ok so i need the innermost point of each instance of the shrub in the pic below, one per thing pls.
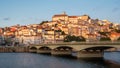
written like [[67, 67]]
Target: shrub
[[70, 38], [105, 39]]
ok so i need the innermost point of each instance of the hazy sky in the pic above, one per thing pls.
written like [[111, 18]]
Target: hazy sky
[[25, 12]]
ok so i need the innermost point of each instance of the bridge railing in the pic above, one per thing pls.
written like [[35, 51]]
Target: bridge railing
[[83, 43]]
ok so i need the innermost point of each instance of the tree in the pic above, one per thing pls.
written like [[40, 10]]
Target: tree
[[118, 39], [70, 38], [105, 39], [104, 33], [118, 31], [43, 22], [63, 33], [58, 30], [8, 41], [67, 38], [81, 38]]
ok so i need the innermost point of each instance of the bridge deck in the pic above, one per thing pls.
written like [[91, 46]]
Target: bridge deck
[[83, 43]]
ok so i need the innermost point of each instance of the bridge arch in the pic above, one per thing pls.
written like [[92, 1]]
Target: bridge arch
[[101, 48], [63, 48], [92, 51], [33, 49], [44, 48]]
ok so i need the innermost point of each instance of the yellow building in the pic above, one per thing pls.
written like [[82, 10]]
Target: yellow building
[[64, 18], [60, 17]]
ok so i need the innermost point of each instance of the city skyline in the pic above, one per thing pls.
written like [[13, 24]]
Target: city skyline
[[26, 12]]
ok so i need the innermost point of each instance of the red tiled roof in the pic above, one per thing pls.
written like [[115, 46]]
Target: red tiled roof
[[60, 15], [39, 27], [64, 27], [116, 34], [73, 16]]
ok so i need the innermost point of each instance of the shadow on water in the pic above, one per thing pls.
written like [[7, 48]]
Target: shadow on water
[[100, 61], [65, 56], [105, 63], [112, 64], [43, 54]]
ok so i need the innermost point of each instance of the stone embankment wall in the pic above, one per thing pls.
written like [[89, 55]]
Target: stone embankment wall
[[13, 49]]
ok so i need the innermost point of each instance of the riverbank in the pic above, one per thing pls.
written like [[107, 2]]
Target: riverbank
[[17, 49]]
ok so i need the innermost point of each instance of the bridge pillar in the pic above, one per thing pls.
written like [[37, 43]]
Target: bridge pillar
[[44, 51], [54, 52], [32, 51], [90, 54]]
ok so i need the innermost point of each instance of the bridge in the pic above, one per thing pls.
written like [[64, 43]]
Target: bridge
[[83, 49]]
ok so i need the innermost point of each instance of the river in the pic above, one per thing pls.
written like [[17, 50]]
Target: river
[[33, 60]]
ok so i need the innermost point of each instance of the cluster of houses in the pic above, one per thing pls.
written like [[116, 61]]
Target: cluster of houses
[[56, 30]]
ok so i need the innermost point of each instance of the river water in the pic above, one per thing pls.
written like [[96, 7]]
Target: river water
[[33, 60]]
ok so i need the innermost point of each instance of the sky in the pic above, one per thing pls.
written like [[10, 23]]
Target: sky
[[26, 12]]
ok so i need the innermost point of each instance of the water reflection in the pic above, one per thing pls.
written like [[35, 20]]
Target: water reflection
[[32, 60]]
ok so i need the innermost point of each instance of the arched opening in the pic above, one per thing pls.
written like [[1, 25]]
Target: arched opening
[[63, 48], [93, 52], [98, 48], [33, 50], [44, 50], [62, 51]]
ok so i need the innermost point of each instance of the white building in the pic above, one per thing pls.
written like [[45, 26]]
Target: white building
[[28, 40]]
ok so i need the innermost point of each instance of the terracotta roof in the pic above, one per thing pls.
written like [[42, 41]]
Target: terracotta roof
[[39, 27], [73, 16], [91, 34], [116, 34], [60, 15], [13, 29], [64, 27]]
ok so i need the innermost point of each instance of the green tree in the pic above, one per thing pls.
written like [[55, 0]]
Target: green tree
[[105, 39], [43, 22], [118, 39], [104, 33], [67, 38], [118, 31], [8, 40], [63, 33], [70, 38], [81, 38]]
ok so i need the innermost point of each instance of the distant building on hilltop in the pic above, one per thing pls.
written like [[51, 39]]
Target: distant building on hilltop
[[74, 19]]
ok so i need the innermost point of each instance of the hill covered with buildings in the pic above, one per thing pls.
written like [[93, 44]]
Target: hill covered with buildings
[[62, 28]]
